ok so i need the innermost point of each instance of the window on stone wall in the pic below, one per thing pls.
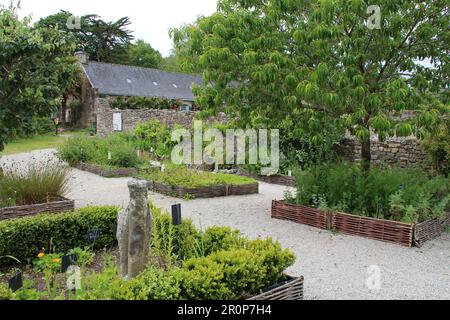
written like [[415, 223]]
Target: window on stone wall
[[185, 107]]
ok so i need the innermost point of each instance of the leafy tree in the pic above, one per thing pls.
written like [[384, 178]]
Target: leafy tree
[[305, 65], [35, 70], [104, 41], [170, 64], [141, 54]]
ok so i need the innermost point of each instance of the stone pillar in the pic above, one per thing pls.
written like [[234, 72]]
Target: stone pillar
[[134, 229]]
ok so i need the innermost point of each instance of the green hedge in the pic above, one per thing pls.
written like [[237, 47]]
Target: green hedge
[[24, 238]]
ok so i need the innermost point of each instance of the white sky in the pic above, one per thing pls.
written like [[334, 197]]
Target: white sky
[[151, 19]]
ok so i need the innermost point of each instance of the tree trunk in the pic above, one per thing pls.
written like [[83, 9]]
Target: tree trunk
[[366, 156]]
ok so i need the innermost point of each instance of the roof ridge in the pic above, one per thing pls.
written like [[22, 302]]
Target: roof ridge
[[145, 68]]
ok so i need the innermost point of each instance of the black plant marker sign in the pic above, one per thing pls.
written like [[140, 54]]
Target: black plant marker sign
[[67, 261], [93, 235], [176, 214], [16, 282]]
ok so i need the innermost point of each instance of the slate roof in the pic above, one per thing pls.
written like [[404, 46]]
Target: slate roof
[[121, 80]]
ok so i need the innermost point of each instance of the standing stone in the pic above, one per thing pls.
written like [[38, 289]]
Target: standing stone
[[134, 229]]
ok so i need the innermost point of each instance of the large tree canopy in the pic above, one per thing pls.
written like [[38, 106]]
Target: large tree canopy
[[302, 65], [142, 54], [36, 68], [104, 41]]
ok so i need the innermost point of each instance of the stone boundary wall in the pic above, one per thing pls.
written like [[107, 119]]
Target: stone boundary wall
[[130, 118], [395, 151]]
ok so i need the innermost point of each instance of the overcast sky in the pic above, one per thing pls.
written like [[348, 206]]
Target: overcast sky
[[151, 19]]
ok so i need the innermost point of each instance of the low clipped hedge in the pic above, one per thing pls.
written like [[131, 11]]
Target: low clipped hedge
[[24, 238]]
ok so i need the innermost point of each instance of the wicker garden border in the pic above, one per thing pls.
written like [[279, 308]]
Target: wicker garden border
[[276, 179], [406, 234], [58, 206], [204, 192], [292, 289], [106, 172]]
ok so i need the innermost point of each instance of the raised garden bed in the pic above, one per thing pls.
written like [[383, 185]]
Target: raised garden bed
[[300, 214], [406, 234], [204, 192], [275, 179], [57, 206], [106, 172], [292, 289]]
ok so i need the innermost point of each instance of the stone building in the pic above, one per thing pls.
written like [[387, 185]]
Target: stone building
[[100, 80]]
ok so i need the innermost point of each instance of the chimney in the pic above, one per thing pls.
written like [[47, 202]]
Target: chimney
[[82, 56]]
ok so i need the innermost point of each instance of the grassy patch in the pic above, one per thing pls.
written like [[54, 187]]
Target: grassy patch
[[115, 151], [183, 177], [49, 141], [32, 186]]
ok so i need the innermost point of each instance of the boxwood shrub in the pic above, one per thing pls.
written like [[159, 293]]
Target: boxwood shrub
[[24, 238]]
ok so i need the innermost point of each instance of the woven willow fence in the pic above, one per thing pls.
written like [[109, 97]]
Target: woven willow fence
[[405, 234], [204, 192], [106, 172], [289, 290], [57, 206]]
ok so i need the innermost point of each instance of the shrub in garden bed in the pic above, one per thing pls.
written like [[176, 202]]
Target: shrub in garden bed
[[404, 195], [175, 175], [25, 238], [116, 151], [186, 263], [21, 186]]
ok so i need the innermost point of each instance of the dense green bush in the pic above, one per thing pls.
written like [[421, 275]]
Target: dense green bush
[[24, 238], [117, 150], [407, 195], [156, 136], [36, 126], [33, 185], [124, 103]]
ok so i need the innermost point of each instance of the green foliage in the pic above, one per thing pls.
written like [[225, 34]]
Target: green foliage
[[105, 285], [235, 273], [171, 242], [438, 147], [156, 136], [36, 66], [157, 284], [175, 175], [5, 292], [33, 185], [141, 54], [231, 267], [308, 67], [24, 238], [37, 126], [117, 150], [133, 103], [103, 41], [407, 195]]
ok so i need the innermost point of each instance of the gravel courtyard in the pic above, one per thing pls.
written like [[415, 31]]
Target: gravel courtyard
[[335, 266]]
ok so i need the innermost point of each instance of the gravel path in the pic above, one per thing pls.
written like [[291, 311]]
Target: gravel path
[[335, 266]]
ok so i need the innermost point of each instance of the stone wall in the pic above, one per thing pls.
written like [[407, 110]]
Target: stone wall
[[395, 151], [130, 118]]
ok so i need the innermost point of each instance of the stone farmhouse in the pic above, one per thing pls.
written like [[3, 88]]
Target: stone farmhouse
[[106, 80]]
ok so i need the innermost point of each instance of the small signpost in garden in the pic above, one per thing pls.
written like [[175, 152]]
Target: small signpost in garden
[[67, 261], [16, 282], [176, 214], [93, 235]]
